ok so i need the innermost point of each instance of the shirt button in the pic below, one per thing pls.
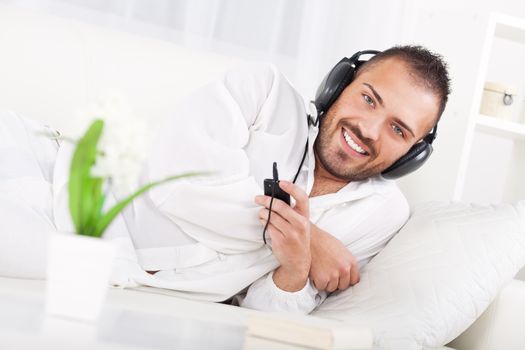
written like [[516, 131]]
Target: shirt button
[[345, 204], [222, 257]]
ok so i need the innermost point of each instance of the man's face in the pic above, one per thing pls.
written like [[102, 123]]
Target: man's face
[[375, 121]]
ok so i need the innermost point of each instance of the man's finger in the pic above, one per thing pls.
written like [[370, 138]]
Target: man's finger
[[271, 230], [300, 196], [320, 284], [354, 274], [283, 209], [276, 220], [344, 280], [332, 285]]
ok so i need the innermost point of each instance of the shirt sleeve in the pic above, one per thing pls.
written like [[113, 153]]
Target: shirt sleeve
[[264, 295], [380, 225], [227, 129]]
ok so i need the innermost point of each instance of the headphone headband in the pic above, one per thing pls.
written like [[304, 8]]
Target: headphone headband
[[358, 54], [337, 80]]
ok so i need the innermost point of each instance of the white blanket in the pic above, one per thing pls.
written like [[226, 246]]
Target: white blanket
[[26, 173]]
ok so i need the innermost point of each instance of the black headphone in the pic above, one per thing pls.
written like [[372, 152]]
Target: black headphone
[[333, 85]]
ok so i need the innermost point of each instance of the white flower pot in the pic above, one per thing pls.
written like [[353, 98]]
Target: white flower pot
[[78, 272]]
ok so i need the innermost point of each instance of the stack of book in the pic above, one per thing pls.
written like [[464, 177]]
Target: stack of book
[[290, 332]]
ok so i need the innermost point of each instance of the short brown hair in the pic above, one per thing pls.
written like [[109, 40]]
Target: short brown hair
[[429, 68]]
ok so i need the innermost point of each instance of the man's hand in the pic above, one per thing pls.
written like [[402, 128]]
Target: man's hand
[[333, 266], [289, 230]]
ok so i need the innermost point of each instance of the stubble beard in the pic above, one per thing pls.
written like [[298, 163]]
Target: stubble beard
[[338, 163]]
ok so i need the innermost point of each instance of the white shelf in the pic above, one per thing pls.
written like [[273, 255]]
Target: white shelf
[[501, 128], [502, 180], [510, 28]]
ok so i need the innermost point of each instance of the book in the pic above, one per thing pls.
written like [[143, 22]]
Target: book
[[309, 332], [256, 343]]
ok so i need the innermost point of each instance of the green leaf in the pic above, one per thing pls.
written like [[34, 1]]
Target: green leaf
[[84, 190], [104, 222], [96, 201]]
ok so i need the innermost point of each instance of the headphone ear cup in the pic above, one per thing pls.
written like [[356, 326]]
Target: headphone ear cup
[[411, 161], [333, 85]]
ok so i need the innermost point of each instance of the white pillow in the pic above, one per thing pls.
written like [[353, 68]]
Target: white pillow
[[436, 276]]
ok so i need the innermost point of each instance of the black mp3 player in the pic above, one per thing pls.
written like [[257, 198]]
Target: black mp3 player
[[272, 185]]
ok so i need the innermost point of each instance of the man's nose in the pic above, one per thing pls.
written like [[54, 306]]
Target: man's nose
[[371, 126]]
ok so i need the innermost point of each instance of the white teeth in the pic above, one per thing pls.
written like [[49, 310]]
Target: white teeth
[[352, 143]]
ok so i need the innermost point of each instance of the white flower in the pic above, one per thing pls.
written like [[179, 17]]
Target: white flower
[[124, 142]]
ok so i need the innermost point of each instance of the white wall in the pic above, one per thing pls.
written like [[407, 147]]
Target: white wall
[[305, 38]]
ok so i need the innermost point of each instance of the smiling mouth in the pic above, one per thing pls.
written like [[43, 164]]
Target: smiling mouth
[[353, 144]]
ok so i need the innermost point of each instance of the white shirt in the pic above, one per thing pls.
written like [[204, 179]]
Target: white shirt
[[203, 233]]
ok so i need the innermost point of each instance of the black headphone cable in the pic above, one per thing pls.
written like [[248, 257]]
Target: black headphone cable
[[276, 179]]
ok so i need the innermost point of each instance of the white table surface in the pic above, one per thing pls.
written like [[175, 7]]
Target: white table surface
[[129, 320]]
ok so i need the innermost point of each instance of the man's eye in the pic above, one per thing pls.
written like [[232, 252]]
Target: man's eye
[[368, 100], [398, 130]]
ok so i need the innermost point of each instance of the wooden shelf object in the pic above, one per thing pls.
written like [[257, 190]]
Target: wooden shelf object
[[501, 128]]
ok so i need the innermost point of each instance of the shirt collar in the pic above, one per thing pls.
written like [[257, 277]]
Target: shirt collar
[[353, 191]]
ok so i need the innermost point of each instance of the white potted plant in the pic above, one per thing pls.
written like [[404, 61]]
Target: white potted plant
[[80, 265]]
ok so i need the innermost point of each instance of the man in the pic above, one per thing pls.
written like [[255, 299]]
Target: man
[[394, 101], [202, 237], [378, 118]]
